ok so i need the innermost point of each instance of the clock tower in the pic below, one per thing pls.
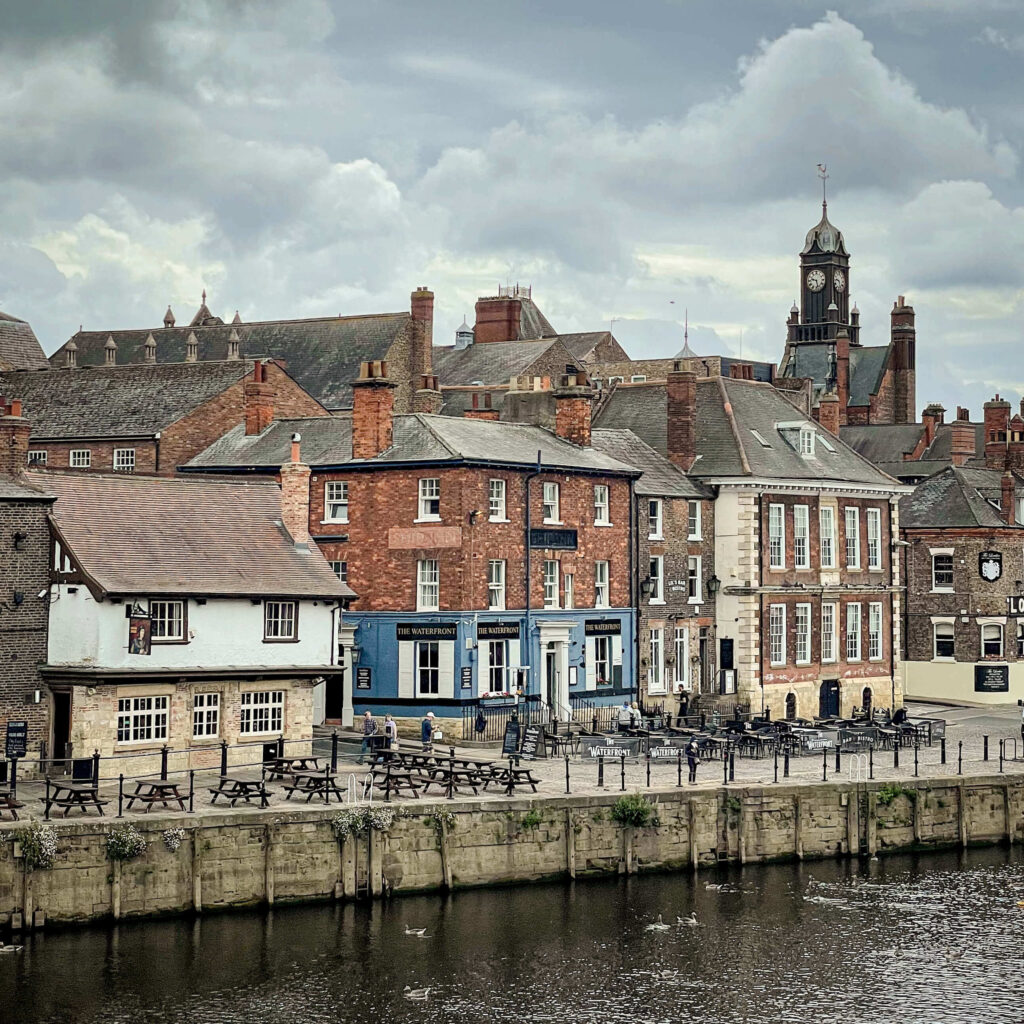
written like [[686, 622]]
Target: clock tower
[[824, 285]]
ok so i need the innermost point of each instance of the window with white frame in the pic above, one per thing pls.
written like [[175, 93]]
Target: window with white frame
[[550, 583], [37, 457], [603, 660], [280, 620], [167, 621], [336, 501], [428, 585], [827, 536], [124, 460], [853, 632], [601, 597], [550, 503], [430, 499], [992, 640], [496, 501], [654, 519], [806, 440], [874, 525], [81, 458], [776, 537], [682, 658], [496, 584], [802, 633], [205, 715], [693, 520], [637, 378], [656, 667], [142, 719], [875, 631], [942, 571], [944, 640], [852, 520], [569, 583], [828, 632], [1020, 638], [657, 576], [777, 634], [801, 537], [601, 510], [428, 667], [497, 665], [693, 579], [262, 712], [340, 570]]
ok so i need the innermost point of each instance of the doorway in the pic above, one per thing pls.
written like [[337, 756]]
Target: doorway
[[61, 729], [865, 701], [551, 678], [828, 699], [334, 697], [790, 707]]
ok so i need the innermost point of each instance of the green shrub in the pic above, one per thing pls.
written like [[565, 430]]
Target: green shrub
[[38, 845], [891, 790], [634, 810], [531, 820]]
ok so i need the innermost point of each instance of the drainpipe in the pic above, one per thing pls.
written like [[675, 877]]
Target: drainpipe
[[634, 568], [529, 477]]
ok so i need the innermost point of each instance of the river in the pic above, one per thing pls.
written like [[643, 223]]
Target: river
[[914, 940]]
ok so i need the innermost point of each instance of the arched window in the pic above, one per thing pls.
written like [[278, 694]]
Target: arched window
[[992, 640], [790, 707]]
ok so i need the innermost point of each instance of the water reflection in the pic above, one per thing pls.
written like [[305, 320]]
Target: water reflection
[[900, 939]]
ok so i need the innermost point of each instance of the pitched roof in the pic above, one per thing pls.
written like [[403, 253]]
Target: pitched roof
[[492, 362], [582, 345], [957, 497], [659, 477], [882, 442], [322, 354], [139, 535], [532, 322], [867, 368], [19, 346], [21, 488], [118, 401]]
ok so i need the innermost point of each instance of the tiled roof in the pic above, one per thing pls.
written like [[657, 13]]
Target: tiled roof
[[322, 354], [19, 347], [151, 535], [867, 367], [660, 478], [956, 497], [491, 362], [882, 442], [582, 345], [532, 322], [117, 401], [22, 488]]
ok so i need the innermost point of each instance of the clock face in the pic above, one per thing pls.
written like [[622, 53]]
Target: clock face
[[815, 280], [839, 280]]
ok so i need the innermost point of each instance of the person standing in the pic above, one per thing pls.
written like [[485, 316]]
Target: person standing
[[625, 717], [427, 732], [369, 731], [1022, 723], [684, 705], [390, 732], [693, 757]]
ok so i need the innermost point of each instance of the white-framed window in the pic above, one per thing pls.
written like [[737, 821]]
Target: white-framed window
[[992, 640], [777, 634], [569, 583], [603, 660], [142, 719], [601, 509], [681, 665], [429, 499], [340, 570], [806, 440], [656, 667], [205, 715], [428, 585], [601, 588], [81, 458], [280, 620], [693, 579], [827, 536], [657, 575], [124, 460], [638, 378], [852, 520], [496, 584], [428, 667], [943, 639], [37, 457], [801, 537], [776, 537], [875, 631], [874, 525], [497, 665], [655, 519], [828, 632], [496, 501], [853, 632], [550, 509], [693, 520], [1020, 638], [942, 571], [262, 712], [167, 620], [802, 631], [336, 501], [550, 583]]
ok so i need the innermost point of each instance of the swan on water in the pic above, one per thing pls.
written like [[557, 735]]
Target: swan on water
[[688, 922], [419, 932], [420, 994], [658, 926]]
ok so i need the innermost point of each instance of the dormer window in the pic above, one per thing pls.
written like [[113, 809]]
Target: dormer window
[[806, 440]]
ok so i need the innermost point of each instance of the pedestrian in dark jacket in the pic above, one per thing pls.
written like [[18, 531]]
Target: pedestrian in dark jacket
[[369, 731], [427, 732], [693, 758]]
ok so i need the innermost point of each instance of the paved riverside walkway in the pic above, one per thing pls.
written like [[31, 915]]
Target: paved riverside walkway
[[965, 725]]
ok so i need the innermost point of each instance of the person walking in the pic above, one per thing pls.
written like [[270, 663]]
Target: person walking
[[684, 706], [427, 732], [391, 732], [625, 717], [693, 757], [369, 731]]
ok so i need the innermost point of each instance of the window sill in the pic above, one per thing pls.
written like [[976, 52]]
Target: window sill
[[776, 664], [656, 600], [428, 610], [694, 601], [801, 664], [491, 519], [652, 536], [428, 519], [776, 568], [854, 568], [694, 538], [334, 522], [552, 522], [944, 661], [165, 642], [828, 661], [853, 661], [876, 661], [941, 590], [280, 639], [604, 524]]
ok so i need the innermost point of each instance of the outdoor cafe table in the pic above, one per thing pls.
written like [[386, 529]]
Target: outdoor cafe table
[[73, 794], [156, 791], [234, 789], [563, 743], [282, 766], [395, 780], [314, 784]]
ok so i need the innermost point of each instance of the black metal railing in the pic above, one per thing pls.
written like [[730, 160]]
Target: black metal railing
[[487, 723]]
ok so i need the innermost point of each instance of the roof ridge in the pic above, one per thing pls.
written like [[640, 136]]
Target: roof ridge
[[437, 437], [244, 324], [731, 417]]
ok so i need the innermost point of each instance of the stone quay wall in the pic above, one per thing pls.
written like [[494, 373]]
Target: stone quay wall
[[245, 859]]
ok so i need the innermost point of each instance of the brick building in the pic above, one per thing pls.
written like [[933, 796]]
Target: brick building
[[486, 555]]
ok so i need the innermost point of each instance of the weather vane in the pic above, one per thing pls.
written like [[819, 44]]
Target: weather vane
[[823, 174]]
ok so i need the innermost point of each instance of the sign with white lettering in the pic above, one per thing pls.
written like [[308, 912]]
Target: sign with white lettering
[[602, 627], [611, 748], [426, 631], [991, 678], [562, 540], [1015, 604], [990, 565], [497, 630]]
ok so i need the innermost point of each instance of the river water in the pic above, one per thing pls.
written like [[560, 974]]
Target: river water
[[935, 938]]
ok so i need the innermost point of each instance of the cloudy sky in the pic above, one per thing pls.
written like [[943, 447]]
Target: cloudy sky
[[312, 157]]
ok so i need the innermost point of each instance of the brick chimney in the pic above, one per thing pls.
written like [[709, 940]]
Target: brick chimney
[[682, 416], [997, 423], [962, 438], [574, 399], [497, 319], [428, 397], [828, 412], [258, 400], [14, 434], [1015, 445], [933, 415], [1006, 495], [295, 496], [373, 401], [903, 361], [422, 307], [480, 407], [741, 371], [843, 371]]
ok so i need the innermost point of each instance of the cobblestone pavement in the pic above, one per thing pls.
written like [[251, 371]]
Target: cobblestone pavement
[[966, 726]]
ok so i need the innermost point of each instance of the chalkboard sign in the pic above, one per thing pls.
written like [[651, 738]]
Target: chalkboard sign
[[533, 743], [510, 745], [467, 677], [17, 739], [991, 678], [364, 677]]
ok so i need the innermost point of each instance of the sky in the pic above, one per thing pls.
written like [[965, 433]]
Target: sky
[[628, 161]]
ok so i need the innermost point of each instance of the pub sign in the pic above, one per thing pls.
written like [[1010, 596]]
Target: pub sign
[[990, 565]]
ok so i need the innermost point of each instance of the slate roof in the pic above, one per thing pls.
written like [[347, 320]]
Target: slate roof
[[117, 401], [867, 367], [327, 441], [22, 489], [492, 362], [957, 498], [532, 322], [582, 345], [152, 535], [19, 346], [884, 444], [322, 354], [660, 478]]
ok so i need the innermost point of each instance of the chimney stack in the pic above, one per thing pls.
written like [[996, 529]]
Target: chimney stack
[[428, 399], [481, 407], [997, 423], [373, 402], [422, 308], [961, 438], [1006, 495], [14, 435], [682, 417], [828, 412], [904, 360], [295, 496], [498, 317], [843, 372], [258, 401], [933, 416], [573, 406]]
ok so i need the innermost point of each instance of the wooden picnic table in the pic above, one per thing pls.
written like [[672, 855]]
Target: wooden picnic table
[[156, 791], [279, 767], [73, 794], [9, 803], [322, 783], [510, 778], [459, 778], [395, 780], [234, 789]]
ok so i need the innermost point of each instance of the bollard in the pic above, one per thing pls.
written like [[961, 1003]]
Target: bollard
[[732, 765], [334, 751], [725, 767], [567, 773], [47, 814], [896, 753], [839, 765], [785, 764], [280, 745], [703, 721], [623, 773], [960, 757], [451, 786], [871, 761], [648, 769], [163, 763], [984, 748], [511, 786], [679, 768], [824, 765], [775, 759], [223, 757], [191, 789], [95, 767], [1001, 756], [942, 750], [915, 760], [14, 778], [600, 772], [120, 795], [387, 782], [594, 729]]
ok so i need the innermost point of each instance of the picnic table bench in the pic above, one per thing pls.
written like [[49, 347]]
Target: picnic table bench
[[395, 780], [234, 789], [156, 791], [321, 783], [459, 778], [510, 778], [73, 794], [279, 767], [9, 803]]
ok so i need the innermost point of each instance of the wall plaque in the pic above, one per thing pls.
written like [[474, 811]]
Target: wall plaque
[[403, 538]]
